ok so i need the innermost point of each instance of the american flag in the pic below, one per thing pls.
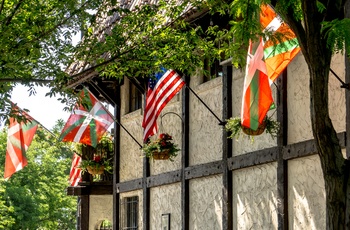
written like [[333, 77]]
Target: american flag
[[75, 172], [161, 89]]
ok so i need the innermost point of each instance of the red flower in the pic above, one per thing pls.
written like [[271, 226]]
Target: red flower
[[97, 158], [162, 135]]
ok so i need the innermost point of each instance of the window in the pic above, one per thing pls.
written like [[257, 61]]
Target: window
[[135, 101], [129, 213], [213, 70]]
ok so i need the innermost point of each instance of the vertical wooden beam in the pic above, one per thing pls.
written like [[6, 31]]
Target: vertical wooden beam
[[116, 162], [185, 193], [146, 195], [347, 118], [226, 149], [84, 212], [282, 165]]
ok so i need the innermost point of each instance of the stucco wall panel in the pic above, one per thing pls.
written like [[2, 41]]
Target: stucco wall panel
[[306, 194], [166, 199], [205, 131], [130, 153], [206, 203], [101, 208], [299, 122], [255, 197]]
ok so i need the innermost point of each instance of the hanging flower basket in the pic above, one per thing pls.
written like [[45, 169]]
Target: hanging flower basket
[[163, 155], [251, 132], [161, 149], [95, 170], [268, 125]]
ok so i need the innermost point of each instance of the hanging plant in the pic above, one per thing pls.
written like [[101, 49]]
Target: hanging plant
[[234, 125], [101, 159], [161, 149], [97, 165]]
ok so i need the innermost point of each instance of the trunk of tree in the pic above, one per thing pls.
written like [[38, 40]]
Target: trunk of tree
[[334, 166]]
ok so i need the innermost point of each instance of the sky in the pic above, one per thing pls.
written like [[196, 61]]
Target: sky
[[45, 110]]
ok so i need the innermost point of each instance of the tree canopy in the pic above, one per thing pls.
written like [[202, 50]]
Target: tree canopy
[[35, 197]]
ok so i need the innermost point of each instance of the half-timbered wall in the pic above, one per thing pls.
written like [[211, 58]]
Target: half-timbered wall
[[219, 183], [260, 169]]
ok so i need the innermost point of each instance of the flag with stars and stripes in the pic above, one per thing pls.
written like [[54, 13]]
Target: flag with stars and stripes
[[88, 122], [19, 137], [161, 89]]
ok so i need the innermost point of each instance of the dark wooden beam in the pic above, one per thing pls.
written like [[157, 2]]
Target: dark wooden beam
[[116, 159], [282, 165], [253, 158], [226, 149], [95, 188], [146, 194], [130, 185], [202, 170], [185, 185], [164, 178], [84, 206]]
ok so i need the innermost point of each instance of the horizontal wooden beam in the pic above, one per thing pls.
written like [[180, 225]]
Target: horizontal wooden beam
[[259, 157], [253, 158], [164, 178], [130, 185], [307, 148], [197, 171], [94, 188]]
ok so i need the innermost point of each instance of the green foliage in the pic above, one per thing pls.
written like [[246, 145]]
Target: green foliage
[[34, 197], [234, 126]]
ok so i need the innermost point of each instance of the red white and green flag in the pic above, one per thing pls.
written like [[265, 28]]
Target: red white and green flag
[[19, 138], [257, 96], [88, 122], [265, 62], [277, 54]]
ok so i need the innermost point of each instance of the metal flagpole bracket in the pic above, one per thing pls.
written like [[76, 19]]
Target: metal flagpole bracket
[[343, 84]]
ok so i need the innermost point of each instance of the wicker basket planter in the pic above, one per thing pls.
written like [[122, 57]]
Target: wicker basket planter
[[163, 155], [257, 132], [95, 170]]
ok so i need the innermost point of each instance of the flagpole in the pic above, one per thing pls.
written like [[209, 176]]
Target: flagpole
[[114, 119], [22, 111], [220, 121]]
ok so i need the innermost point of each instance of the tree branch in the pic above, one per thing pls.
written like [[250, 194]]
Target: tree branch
[[24, 80], [9, 18], [2, 6]]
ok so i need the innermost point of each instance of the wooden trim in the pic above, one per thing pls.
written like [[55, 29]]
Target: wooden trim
[[185, 185], [84, 212], [116, 162], [202, 170], [253, 158], [164, 178], [282, 165], [130, 185], [226, 149]]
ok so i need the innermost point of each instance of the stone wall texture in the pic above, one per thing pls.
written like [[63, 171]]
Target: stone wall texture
[[255, 197], [166, 200], [206, 203], [306, 194], [101, 208]]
